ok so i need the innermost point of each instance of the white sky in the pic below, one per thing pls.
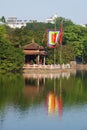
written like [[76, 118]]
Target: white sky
[[40, 10]]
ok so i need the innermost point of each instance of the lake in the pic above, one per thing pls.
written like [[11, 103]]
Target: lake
[[43, 101]]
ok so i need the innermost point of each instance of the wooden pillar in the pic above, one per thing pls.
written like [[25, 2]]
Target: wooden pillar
[[38, 59], [44, 60]]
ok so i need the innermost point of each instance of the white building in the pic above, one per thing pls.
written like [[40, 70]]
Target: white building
[[14, 23], [51, 19], [83, 25]]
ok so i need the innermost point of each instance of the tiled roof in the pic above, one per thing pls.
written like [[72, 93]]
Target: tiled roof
[[33, 46]]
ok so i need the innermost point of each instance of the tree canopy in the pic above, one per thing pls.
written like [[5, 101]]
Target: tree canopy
[[74, 43], [11, 58]]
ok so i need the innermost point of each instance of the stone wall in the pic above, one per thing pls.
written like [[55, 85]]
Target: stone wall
[[81, 67]]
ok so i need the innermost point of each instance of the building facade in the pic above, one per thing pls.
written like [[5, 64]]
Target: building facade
[[13, 22]]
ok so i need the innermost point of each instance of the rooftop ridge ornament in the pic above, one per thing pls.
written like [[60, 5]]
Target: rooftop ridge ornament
[[33, 40]]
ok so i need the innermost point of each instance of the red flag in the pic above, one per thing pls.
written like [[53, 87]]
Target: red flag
[[60, 36], [54, 37]]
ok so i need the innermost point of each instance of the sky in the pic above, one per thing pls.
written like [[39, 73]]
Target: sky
[[40, 10]]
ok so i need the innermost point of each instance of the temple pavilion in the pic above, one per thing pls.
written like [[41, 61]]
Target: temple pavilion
[[34, 54]]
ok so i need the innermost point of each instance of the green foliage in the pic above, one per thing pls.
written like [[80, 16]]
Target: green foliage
[[2, 19], [3, 34], [85, 52], [68, 53], [11, 59], [50, 58], [39, 26], [76, 36], [74, 39], [64, 22]]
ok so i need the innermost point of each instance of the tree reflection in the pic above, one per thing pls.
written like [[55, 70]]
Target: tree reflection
[[22, 92]]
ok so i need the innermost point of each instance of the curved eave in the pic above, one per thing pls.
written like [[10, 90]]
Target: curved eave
[[34, 52]]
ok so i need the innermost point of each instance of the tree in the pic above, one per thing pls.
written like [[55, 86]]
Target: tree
[[74, 37], [11, 58], [85, 52], [2, 19], [3, 35]]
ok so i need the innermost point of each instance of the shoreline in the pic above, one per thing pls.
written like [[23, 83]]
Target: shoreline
[[38, 73], [45, 69], [48, 73]]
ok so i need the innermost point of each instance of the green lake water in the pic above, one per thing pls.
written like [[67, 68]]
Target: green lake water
[[43, 101]]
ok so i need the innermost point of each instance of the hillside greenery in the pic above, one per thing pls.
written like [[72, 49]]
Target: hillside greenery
[[74, 46]]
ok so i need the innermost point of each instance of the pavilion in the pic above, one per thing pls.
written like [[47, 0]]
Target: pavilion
[[34, 54]]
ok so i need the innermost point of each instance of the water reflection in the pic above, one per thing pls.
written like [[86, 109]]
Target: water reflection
[[37, 85], [33, 87], [39, 94], [54, 104], [65, 74]]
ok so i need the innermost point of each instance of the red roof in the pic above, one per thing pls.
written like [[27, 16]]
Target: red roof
[[33, 46]]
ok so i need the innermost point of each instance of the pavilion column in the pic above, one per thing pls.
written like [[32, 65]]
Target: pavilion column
[[44, 60], [38, 59]]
